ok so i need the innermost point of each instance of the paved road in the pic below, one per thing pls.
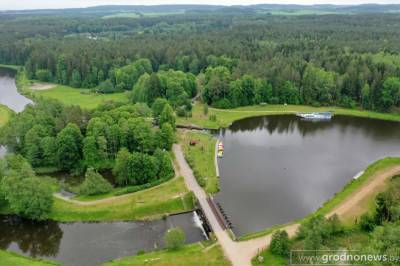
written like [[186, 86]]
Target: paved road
[[241, 253], [231, 248]]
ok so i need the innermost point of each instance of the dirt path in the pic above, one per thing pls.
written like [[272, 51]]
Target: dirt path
[[252, 247], [110, 199], [375, 184], [92, 202], [241, 253], [254, 111], [42, 86]]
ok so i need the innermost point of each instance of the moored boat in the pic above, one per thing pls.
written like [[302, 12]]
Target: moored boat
[[316, 115], [220, 149]]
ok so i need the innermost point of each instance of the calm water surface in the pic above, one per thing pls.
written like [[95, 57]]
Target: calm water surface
[[279, 168], [9, 96], [86, 244]]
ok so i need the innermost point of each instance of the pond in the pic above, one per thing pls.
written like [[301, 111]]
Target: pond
[[84, 244], [277, 169]]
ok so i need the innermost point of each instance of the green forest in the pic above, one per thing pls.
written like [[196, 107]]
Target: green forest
[[170, 64], [236, 57]]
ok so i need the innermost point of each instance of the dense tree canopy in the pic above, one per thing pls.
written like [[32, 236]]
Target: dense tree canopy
[[26, 194], [247, 57]]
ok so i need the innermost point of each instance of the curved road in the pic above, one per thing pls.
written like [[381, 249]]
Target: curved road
[[241, 253]]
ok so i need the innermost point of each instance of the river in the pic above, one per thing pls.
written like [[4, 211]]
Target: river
[[87, 244], [277, 169], [9, 95]]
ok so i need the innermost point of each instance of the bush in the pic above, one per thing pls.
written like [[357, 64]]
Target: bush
[[181, 111], [94, 184], [205, 109], [43, 75], [174, 238], [213, 118], [106, 87], [29, 197], [367, 223], [280, 244], [223, 104], [348, 102]]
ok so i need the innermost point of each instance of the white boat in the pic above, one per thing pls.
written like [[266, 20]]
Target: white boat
[[316, 116]]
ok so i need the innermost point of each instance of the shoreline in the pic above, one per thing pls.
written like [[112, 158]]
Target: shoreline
[[225, 117], [349, 191]]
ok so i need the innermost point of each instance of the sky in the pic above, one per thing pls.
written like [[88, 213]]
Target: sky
[[39, 4]]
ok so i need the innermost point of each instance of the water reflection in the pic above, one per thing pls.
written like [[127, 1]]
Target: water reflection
[[32, 238], [279, 168], [92, 243]]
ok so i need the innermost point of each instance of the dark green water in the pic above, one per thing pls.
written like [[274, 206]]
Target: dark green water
[[279, 168], [87, 244]]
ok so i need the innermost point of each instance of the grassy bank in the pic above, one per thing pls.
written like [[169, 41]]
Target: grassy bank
[[81, 97], [201, 158], [339, 197], [168, 198], [225, 117], [5, 114], [8, 258], [194, 254], [353, 237], [67, 95], [354, 185]]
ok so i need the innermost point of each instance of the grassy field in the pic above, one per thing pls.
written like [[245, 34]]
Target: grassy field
[[168, 198], [201, 158], [81, 97], [12, 259], [123, 15], [225, 117], [339, 197], [295, 12], [4, 115], [194, 254]]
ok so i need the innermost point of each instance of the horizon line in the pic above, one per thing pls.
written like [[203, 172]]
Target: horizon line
[[211, 5]]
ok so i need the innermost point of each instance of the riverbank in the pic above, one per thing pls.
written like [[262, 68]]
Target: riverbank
[[201, 158], [171, 197], [8, 258], [203, 253], [65, 94], [82, 97], [225, 117], [353, 236]]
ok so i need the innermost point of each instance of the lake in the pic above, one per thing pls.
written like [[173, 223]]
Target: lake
[[277, 169]]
